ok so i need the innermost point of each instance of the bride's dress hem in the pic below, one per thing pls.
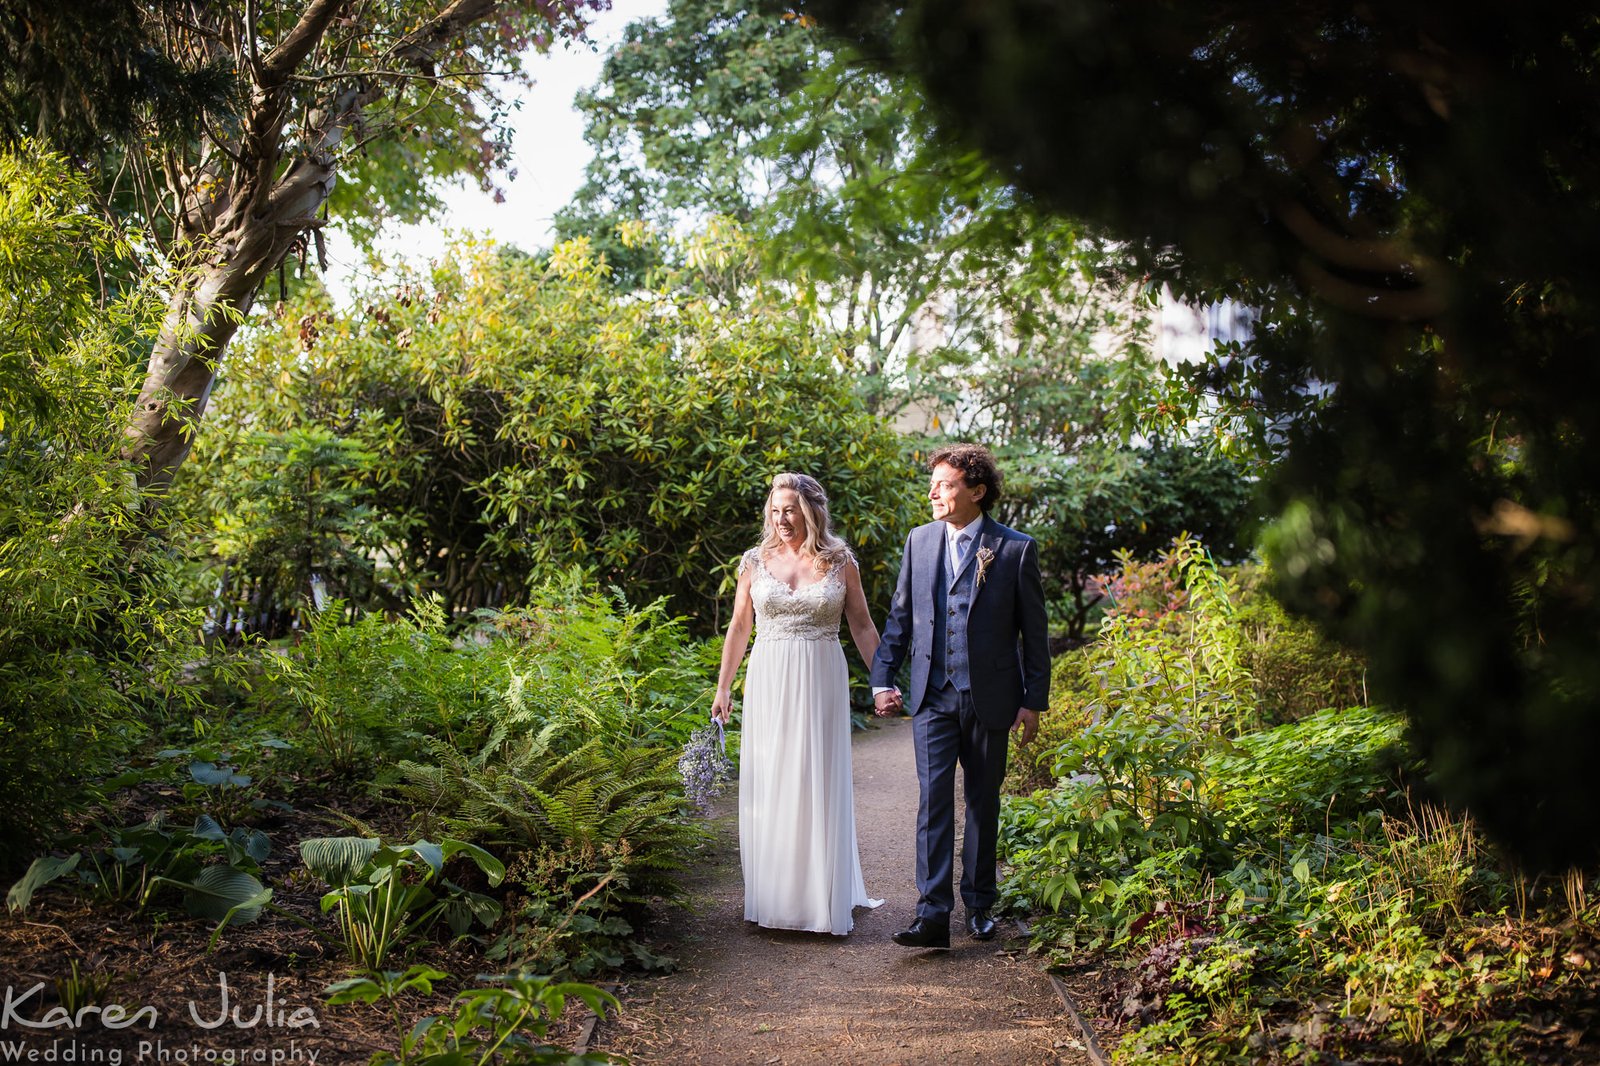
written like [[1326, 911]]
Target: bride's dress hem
[[870, 904]]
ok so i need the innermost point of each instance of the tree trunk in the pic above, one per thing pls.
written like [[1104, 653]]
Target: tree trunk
[[242, 211], [206, 307], [238, 236]]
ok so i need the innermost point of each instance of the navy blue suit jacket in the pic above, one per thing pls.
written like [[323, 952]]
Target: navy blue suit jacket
[[1007, 627]]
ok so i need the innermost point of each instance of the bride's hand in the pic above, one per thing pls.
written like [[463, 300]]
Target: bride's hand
[[722, 707]]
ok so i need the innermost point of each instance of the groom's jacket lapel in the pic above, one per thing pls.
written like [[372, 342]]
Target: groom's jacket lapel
[[992, 540]]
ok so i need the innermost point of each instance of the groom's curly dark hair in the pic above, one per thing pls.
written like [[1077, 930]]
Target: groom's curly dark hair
[[977, 467]]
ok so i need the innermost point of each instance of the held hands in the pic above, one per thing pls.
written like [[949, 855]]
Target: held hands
[[887, 703], [1028, 722]]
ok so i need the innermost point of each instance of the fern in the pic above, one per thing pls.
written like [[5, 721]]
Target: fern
[[517, 793]]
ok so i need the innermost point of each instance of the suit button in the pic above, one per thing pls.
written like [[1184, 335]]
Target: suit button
[[951, 632], [952, 612]]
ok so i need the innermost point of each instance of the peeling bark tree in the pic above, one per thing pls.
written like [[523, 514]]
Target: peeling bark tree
[[320, 84]]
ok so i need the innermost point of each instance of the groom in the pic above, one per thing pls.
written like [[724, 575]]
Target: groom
[[969, 612]]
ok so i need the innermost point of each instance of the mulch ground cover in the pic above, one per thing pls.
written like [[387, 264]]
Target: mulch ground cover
[[257, 998]]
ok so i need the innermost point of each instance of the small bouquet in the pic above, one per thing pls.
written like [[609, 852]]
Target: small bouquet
[[704, 764]]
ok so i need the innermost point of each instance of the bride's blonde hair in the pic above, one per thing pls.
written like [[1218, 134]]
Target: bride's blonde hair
[[825, 547]]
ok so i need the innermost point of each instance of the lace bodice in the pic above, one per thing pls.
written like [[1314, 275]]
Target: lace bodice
[[811, 612]]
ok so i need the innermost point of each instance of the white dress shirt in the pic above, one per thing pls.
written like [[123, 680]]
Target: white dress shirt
[[954, 553]]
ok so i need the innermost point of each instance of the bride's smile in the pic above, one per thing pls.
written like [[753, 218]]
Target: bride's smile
[[787, 518]]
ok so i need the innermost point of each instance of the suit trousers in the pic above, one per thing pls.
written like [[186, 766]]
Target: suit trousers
[[947, 732]]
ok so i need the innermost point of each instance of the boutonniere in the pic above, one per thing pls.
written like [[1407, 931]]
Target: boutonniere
[[985, 557]]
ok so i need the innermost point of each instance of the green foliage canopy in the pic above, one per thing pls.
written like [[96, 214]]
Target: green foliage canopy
[[88, 76], [879, 225], [226, 132], [1086, 507]]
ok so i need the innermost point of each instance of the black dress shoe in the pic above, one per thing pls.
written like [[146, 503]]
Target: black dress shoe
[[979, 925], [924, 933]]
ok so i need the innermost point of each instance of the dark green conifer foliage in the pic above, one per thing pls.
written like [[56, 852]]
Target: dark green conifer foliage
[[1411, 195]]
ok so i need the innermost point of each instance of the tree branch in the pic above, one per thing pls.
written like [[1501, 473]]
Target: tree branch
[[293, 49], [402, 75], [252, 52], [1370, 256], [1399, 305], [421, 45]]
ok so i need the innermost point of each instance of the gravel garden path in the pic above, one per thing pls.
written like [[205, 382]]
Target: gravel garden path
[[743, 994]]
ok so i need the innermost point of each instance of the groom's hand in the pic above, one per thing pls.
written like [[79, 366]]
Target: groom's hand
[[1028, 722], [887, 702]]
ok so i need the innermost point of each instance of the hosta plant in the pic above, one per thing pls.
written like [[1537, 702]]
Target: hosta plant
[[384, 894], [128, 864]]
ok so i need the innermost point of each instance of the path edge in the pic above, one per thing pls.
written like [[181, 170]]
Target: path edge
[[1090, 1042]]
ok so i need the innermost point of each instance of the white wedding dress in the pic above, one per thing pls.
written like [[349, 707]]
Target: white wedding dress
[[797, 823]]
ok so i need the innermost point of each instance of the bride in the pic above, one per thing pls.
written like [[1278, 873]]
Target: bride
[[797, 825]]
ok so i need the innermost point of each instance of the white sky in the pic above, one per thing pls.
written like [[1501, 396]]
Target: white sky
[[549, 157]]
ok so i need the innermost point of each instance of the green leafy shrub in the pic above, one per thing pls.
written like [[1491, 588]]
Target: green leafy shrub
[[403, 687], [1163, 786], [598, 799], [1104, 852], [549, 733], [1159, 687], [575, 778], [292, 514], [93, 639], [1033, 768], [1291, 672], [1276, 891], [1331, 768], [511, 419], [1147, 812], [1172, 648], [634, 671], [501, 1023], [1298, 671], [1352, 917], [564, 917], [1096, 501], [359, 688]]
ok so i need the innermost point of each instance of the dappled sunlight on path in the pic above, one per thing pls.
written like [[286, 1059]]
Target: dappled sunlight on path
[[749, 995]]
